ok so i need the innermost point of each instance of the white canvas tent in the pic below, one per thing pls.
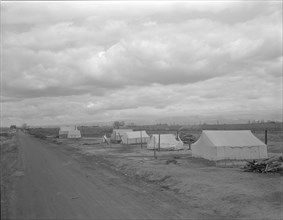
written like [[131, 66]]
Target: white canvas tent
[[135, 137], [167, 142], [74, 134], [229, 145], [64, 130], [118, 133]]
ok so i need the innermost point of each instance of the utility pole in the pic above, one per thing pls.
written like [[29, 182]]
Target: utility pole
[[265, 136]]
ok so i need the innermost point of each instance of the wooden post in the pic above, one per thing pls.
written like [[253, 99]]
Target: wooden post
[[120, 137], [159, 142], [154, 147], [141, 139], [265, 136]]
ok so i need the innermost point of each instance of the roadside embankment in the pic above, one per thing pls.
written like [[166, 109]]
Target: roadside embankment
[[9, 157]]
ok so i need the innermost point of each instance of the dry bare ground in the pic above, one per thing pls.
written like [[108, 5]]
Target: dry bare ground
[[58, 182], [227, 192]]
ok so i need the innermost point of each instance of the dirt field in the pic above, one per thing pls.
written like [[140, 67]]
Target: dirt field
[[57, 182], [227, 192], [213, 190]]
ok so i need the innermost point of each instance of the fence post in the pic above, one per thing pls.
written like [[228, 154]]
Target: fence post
[[120, 137], [159, 142], [265, 136]]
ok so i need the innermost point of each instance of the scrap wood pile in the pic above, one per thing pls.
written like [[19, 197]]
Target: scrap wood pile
[[272, 165]]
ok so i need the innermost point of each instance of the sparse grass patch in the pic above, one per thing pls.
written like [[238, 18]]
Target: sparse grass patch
[[9, 156]]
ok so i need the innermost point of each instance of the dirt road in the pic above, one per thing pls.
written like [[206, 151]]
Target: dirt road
[[53, 184]]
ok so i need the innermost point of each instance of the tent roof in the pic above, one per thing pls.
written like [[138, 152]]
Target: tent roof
[[231, 138], [136, 134]]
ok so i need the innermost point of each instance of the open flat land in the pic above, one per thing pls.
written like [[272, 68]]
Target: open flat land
[[48, 182], [225, 192], [89, 179]]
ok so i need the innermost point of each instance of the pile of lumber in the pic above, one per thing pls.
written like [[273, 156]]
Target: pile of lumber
[[269, 165]]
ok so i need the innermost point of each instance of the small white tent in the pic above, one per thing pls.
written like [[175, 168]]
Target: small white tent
[[74, 134], [135, 137], [118, 133], [64, 130], [229, 145], [167, 142]]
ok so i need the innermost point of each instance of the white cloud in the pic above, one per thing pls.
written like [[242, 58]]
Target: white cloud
[[143, 58]]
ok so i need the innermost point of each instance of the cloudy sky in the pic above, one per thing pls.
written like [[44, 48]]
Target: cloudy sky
[[75, 62]]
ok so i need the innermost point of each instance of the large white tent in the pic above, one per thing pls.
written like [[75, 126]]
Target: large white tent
[[64, 130], [118, 133], [135, 137], [229, 145], [167, 142]]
